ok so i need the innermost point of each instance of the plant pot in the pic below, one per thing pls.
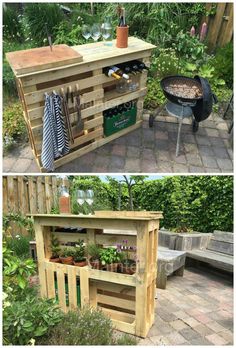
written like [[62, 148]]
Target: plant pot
[[95, 264], [55, 259], [122, 34], [67, 260], [80, 263], [112, 267], [129, 267]]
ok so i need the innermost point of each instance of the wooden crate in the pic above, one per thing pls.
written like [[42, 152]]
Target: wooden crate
[[88, 76], [127, 299]]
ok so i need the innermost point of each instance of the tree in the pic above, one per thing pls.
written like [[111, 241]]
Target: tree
[[131, 181]]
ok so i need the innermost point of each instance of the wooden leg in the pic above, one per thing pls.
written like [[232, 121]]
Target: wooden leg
[[180, 272], [161, 280]]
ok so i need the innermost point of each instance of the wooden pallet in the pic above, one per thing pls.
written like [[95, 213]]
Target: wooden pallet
[[127, 299], [88, 76]]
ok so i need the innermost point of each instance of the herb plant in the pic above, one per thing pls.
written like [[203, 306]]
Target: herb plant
[[109, 256]]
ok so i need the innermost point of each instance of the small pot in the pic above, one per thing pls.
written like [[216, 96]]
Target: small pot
[[112, 267], [67, 260], [55, 259], [128, 267], [80, 263], [122, 34], [95, 264]]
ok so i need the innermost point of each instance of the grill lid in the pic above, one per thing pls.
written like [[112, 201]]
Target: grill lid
[[203, 107]]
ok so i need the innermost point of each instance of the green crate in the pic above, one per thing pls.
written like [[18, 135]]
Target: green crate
[[67, 294], [120, 121]]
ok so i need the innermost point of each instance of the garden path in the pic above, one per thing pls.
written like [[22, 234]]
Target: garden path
[[147, 150], [194, 310]]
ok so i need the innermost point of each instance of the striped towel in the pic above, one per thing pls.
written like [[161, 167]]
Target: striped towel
[[55, 139]]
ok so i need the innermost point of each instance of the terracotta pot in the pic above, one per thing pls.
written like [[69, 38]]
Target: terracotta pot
[[128, 267], [56, 259], [112, 267], [67, 260], [122, 34], [95, 264], [80, 263], [128, 270]]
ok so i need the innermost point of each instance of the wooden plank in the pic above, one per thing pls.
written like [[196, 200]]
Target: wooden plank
[[112, 239], [123, 326], [51, 293], [40, 195], [5, 195], [93, 294], [42, 58], [11, 195], [215, 28], [32, 195], [48, 194], [72, 288], [115, 287], [116, 302], [227, 30], [117, 315], [61, 289], [112, 277], [41, 257], [84, 286]]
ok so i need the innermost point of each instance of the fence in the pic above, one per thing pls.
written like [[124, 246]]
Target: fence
[[30, 194], [220, 25]]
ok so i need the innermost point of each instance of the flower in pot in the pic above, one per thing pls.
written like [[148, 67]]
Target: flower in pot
[[110, 258], [94, 252], [67, 255], [79, 254], [55, 249], [128, 264]]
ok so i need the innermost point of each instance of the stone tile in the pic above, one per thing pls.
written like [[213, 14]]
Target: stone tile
[[231, 154], [206, 150], [162, 144], [227, 336], [216, 327], [212, 132], [176, 338], [145, 342], [180, 168], [21, 165], [105, 149], [191, 148], [225, 164], [133, 151], [179, 159], [194, 169], [162, 329], [189, 138], [102, 160], [133, 165], [202, 140], [181, 315], [189, 334], [203, 330], [100, 169], [226, 323], [178, 324], [203, 318], [163, 155], [161, 135], [118, 150], [212, 170], [8, 163], [200, 341], [217, 142], [164, 167], [216, 339], [148, 166], [117, 161], [160, 340], [191, 322], [33, 168], [166, 315], [194, 159], [148, 155], [209, 162], [224, 134], [220, 152]]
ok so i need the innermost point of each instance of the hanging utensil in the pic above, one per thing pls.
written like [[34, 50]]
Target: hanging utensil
[[49, 36]]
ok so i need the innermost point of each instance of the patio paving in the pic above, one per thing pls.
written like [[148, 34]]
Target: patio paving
[[196, 309], [147, 150]]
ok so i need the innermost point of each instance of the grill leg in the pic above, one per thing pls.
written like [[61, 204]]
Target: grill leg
[[180, 120]]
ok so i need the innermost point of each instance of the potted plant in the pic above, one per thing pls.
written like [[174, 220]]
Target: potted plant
[[128, 264], [94, 252], [67, 255], [110, 258], [55, 249], [79, 254]]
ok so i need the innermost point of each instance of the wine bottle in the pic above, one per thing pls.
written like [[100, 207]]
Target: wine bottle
[[126, 68], [119, 72], [110, 72], [141, 65]]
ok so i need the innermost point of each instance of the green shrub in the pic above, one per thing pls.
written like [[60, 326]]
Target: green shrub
[[12, 28], [155, 96], [223, 64], [86, 327], [126, 340], [165, 64], [69, 33], [13, 124], [19, 245]]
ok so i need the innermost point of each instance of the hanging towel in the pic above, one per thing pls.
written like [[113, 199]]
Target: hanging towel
[[55, 139]]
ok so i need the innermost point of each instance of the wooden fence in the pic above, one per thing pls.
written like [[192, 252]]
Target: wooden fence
[[220, 25], [30, 194]]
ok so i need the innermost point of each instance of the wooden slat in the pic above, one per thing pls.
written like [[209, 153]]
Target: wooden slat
[[11, 194], [40, 195], [48, 194], [115, 287], [216, 25], [84, 286], [41, 258], [61, 289], [123, 326], [32, 195], [116, 302], [120, 316], [5, 195], [50, 282], [113, 239], [72, 288], [227, 29]]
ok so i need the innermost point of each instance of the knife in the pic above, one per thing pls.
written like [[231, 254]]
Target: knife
[[49, 36]]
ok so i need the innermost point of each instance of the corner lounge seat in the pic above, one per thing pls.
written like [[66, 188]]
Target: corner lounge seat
[[218, 253]]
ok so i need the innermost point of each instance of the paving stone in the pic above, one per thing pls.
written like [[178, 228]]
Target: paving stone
[[189, 334], [178, 324], [191, 322], [231, 154], [180, 168], [194, 169], [117, 161], [191, 148], [133, 165], [179, 159], [227, 336], [220, 152], [163, 155], [206, 150], [209, 162], [100, 169], [224, 134], [148, 155], [21, 165], [162, 144], [217, 142], [33, 168], [118, 150], [148, 166], [166, 315], [181, 315], [176, 338], [226, 323], [164, 167], [216, 339], [189, 138], [161, 135], [225, 164], [145, 342], [203, 330], [194, 159], [212, 132], [202, 140], [216, 327], [133, 151], [105, 149], [200, 341], [162, 329], [102, 160], [8, 163], [160, 340]]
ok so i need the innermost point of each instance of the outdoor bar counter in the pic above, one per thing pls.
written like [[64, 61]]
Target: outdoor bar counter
[[127, 299], [95, 90]]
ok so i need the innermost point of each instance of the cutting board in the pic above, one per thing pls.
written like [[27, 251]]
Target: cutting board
[[37, 59]]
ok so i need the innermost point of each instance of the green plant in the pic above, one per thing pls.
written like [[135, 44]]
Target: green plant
[[155, 96], [24, 321], [126, 340], [12, 28], [165, 64], [55, 247], [68, 33], [19, 219], [109, 256], [94, 251], [19, 244], [79, 253], [85, 327], [189, 47], [66, 252], [223, 64]]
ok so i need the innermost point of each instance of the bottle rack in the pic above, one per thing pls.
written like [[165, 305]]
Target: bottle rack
[[89, 78], [127, 299]]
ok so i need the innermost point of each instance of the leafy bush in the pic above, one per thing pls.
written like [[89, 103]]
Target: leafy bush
[[19, 219], [69, 33], [223, 64], [86, 327], [126, 340], [19, 245], [166, 63], [12, 28], [154, 96], [13, 124]]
